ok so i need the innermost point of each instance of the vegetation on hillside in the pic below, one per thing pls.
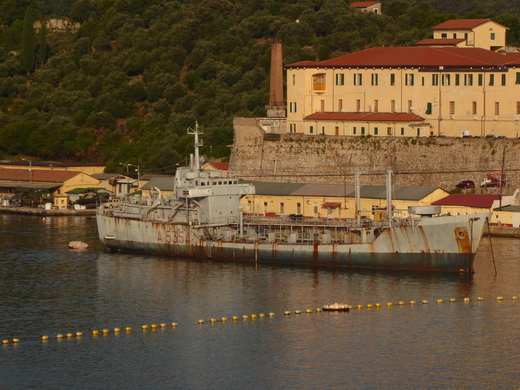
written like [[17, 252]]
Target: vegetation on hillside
[[124, 87]]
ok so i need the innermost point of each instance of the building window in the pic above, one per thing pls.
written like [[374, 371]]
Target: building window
[[340, 104], [480, 79], [504, 76], [362, 131], [474, 108], [293, 79], [375, 79], [358, 105], [435, 79], [311, 129], [392, 79], [266, 208], [282, 208], [517, 108], [323, 130], [322, 105], [392, 105], [298, 208], [376, 131], [457, 79], [468, 79], [497, 108], [452, 108], [445, 79], [388, 131], [491, 79], [376, 105], [358, 79], [249, 206], [454, 35], [402, 130], [354, 130], [517, 78], [492, 36], [408, 80], [318, 82], [418, 132], [410, 106], [428, 108], [340, 79], [292, 107], [444, 36]]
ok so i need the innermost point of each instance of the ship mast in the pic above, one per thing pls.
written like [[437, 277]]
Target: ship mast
[[196, 164]]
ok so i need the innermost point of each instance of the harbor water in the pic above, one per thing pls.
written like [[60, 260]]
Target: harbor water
[[47, 289]]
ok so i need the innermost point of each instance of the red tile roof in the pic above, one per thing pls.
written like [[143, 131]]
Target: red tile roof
[[363, 4], [221, 166], [460, 24], [38, 175], [483, 201], [365, 116], [432, 42], [418, 56]]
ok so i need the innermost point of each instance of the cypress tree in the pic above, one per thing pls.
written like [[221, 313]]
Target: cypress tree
[[43, 44], [28, 45]]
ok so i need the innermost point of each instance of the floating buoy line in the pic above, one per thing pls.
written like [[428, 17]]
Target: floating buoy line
[[96, 333]]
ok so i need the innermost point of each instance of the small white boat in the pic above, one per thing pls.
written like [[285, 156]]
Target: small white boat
[[78, 245], [336, 307]]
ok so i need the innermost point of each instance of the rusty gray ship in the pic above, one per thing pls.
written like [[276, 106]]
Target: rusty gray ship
[[203, 219]]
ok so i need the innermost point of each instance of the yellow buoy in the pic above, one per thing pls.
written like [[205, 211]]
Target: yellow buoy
[[425, 302], [59, 336], [253, 316], [500, 298], [378, 305], [154, 326], [45, 338], [261, 315], [359, 307], [223, 319], [287, 313], [318, 310], [466, 299], [79, 334], [5, 342], [95, 332], [128, 329], [16, 340], [401, 303], [480, 299], [412, 302], [212, 320], [201, 321], [245, 317], [70, 335], [514, 297], [389, 304], [144, 327], [440, 301], [105, 332], [297, 312], [117, 330], [453, 300], [370, 306], [163, 325], [271, 314], [308, 311], [174, 324], [234, 318]]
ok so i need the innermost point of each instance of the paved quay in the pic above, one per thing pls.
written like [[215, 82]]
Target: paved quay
[[38, 211]]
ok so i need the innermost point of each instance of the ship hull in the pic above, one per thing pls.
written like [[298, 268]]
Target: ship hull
[[446, 244]]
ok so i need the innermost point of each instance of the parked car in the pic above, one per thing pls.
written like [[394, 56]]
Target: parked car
[[466, 184]]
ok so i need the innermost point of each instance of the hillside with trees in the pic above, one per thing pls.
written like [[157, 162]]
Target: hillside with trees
[[121, 80]]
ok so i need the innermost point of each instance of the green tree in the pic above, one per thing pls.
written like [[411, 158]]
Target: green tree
[[28, 58], [42, 52]]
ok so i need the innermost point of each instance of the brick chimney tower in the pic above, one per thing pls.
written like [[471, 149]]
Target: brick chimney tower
[[276, 107]]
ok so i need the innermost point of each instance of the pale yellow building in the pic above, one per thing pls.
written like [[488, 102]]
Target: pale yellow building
[[367, 6], [334, 201], [409, 91]]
